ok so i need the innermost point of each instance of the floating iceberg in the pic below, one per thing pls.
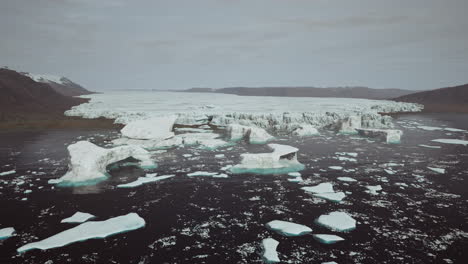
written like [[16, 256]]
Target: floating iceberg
[[391, 136], [332, 196], [452, 141], [207, 174], [269, 246], [429, 146], [156, 128], [283, 159], [288, 228], [328, 239], [6, 232], [337, 221], [325, 187], [147, 179], [294, 174], [7, 173], [296, 179], [78, 217], [347, 179], [254, 135], [373, 189], [305, 130], [88, 162], [89, 230], [438, 170]]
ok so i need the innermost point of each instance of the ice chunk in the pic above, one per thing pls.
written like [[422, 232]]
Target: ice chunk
[[296, 179], [335, 167], [191, 129], [328, 239], [283, 159], [269, 254], [387, 135], [429, 146], [305, 130], [7, 172], [454, 129], [6, 232], [337, 221], [391, 172], [331, 196], [352, 154], [373, 189], [288, 228], [329, 262], [438, 170], [142, 180], [88, 162], [254, 135], [430, 128], [347, 179], [78, 217], [207, 174], [89, 230], [350, 124], [325, 187], [294, 174], [452, 141], [156, 128]]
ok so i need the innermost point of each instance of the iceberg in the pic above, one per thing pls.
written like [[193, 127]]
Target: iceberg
[[254, 135], [269, 254], [305, 130], [88, 230], [452, 141], [391, 136], [328, 239], [373, 189], [6, 232], [294, 174], [296, 179], [347, 179], [350, 124], [283, 159], [325, 187], [156, 128], [78, 217], [337, 221], [335, 167], [7, 172], [332, 196], [438, 170], [288, 228], [429, 146], [207, 174], [147, 179], [88, 162]]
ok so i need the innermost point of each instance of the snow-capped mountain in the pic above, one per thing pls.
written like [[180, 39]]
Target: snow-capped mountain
[[60, 84]]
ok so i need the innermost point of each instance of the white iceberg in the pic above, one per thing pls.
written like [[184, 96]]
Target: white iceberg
[[254, 135], [207, 174], [373, 189], [305, 130], [296, 179], [288, 228], [452, 141], [347, 179], [438, 170], [269, 254], [88, 162], [7, 172], [283, 159], [337, 221], [430, 128], [294, 174], [156, 128], [78, 217], [328, 239], [335, 167], [350, 124], [331, 196], [391, 136], [89, 230], [142, 180], [6, 232], [325, 187]]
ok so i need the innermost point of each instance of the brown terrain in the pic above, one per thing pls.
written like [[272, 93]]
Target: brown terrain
[[450, 99], [25, 103]]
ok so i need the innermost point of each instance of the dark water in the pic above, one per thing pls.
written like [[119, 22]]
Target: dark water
[[418, 217]]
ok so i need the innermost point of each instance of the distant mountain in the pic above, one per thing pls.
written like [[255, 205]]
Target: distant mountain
[[23, 98], [343, 92], [60, 84], [450, 99]]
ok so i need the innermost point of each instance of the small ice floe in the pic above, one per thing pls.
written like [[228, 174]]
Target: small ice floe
[[207, 174], [452, 141], [430, 128], [329, 262], [429, 146], [191, 129], [325, 191], [7, 172], [187, 155], [351, 154], [27, 191], [6, 232], [88, 162], [147, 179], [332, 196], [294, 174], [296, 179], [254, 135], [283, 159], [305, 130], [159, 128], [335, 167], [328, 239], [220, 156], [391, 136], [269, 254], [288, 228], [88, 230], [337, 221], [346, 179], [373, 189], [225, 168], [78, 217], [388, 171], [346, 159], [454, 129], [438, 170]]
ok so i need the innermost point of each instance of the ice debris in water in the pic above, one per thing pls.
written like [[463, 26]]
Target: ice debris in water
[[89, 230], [6, 232], [335, 167], [147, 179], [350, 124], [207, 174], [325, 191], [78, 217], [429, 146], [305, 130], [452, 141], [328, 239], [373, 189], [283, 159], [269, 254], [438, 170], [288, 228], [387, 135], [88, 162], [254, 135], [7, 172], [337, 221], [294, 174], [158, 128], [296, 179], [347, 179]]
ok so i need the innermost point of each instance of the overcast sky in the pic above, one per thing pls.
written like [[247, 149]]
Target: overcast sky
[[116, 44]]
